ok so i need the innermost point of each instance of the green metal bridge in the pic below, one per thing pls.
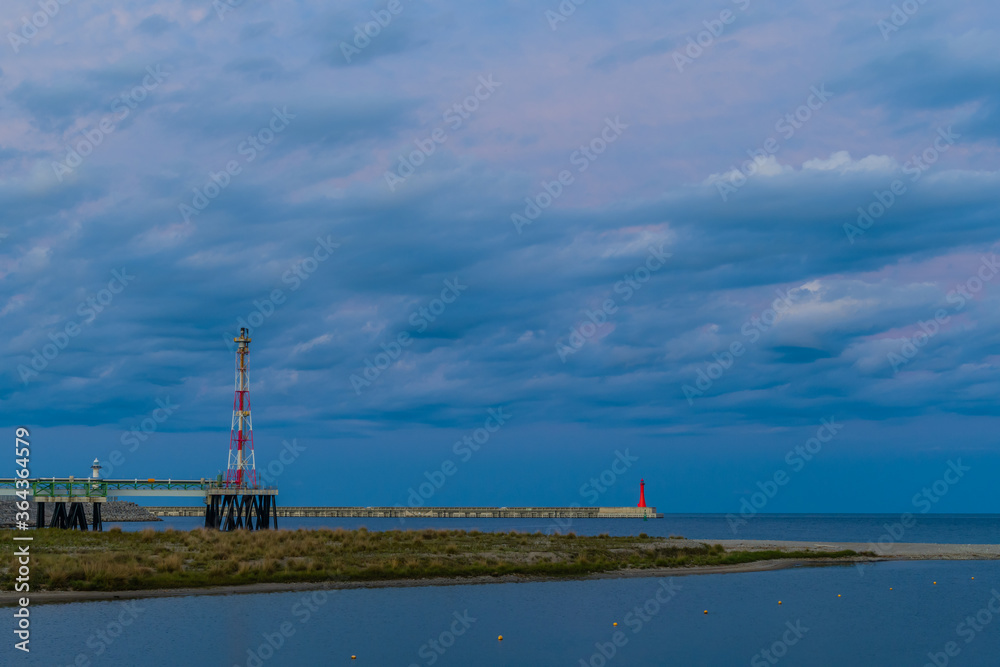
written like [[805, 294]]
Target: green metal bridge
[[87, 489]]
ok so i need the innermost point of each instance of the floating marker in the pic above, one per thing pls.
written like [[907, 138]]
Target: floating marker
[[500, 638], [354, 657], [779, 601], [615, 624], [935, 583], [838, 595], [706, 611]]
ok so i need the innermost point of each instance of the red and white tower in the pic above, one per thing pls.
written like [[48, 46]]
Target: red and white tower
[[642, 493], [241, 472]]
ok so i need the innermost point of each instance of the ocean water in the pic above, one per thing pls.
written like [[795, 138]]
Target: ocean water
[[842, 615], [932, 528]]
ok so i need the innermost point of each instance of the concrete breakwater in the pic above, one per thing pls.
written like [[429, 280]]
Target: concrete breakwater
[[443, 512], [118, 510]]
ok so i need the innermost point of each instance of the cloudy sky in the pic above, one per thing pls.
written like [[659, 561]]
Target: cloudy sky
[[680, 236]]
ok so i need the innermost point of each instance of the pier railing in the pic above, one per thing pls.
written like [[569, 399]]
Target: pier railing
[[89, 489]]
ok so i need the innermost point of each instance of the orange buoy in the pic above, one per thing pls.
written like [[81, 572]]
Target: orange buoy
[[779, 601], [706, 611], [500, 638], [615, 624]]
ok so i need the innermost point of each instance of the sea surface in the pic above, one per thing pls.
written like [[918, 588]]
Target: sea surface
[[884, 614], [931, 528]]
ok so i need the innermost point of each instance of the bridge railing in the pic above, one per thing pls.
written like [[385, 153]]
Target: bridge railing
[[89, 487]]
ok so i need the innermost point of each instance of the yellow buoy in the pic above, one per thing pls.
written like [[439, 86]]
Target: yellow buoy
[[779, 601], [500, 638], [890, 588], [615, 624], [706, 611], [838, 595], [935, 583], [973, 577], [354, 657]]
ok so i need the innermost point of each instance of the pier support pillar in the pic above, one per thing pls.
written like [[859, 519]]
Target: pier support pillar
[[74, 518], [240, 512], [96, 514], [212, 516], [40, 516], [77, 518], [59, 516]]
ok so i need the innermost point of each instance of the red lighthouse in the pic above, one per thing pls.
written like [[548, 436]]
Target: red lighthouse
[[642, 493]]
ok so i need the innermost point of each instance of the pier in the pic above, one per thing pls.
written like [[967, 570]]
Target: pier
[[441, 512], [227, 506]]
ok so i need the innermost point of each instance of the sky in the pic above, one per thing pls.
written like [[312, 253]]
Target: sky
[[511, 253]]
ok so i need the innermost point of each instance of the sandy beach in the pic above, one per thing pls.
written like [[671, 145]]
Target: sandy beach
[[896, 551]]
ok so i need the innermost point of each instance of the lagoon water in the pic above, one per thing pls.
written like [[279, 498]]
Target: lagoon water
[[566, 622], [560, 623]]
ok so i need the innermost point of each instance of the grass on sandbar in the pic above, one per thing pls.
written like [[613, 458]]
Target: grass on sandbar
[[116, 560]]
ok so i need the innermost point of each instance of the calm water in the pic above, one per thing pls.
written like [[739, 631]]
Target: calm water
[[559, 623], [934, 528]]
